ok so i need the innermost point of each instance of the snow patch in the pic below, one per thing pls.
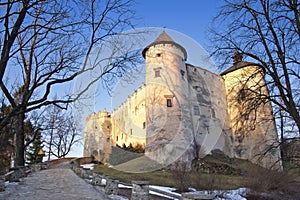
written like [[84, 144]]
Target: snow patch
[[238, 194], [88, 166], [117, 197]]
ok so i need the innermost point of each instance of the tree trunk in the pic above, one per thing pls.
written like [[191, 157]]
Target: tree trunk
[[20, 136]]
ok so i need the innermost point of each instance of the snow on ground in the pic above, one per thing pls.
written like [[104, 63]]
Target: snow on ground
[[117, 197], [238, 194], [162, 195], [88, 166], [124, 186], [165, 191], [103, 181]]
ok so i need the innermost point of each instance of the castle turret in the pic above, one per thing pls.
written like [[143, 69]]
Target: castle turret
[[252, 120], [97, 136], [167, 105]]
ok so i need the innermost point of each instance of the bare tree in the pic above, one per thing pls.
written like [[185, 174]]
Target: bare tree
[[266, 32], [45, 43], [59, 131]]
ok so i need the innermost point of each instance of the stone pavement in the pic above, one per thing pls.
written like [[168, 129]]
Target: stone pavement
[[54, 184]]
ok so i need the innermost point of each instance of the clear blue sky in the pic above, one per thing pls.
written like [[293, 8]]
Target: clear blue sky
[[190, 17]]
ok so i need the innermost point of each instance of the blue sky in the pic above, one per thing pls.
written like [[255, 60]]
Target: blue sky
[[190, 17]]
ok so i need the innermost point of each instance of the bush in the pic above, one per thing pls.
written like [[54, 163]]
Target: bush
[[266, 180], [180, 177]]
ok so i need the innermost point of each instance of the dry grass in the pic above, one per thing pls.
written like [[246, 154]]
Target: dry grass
[[259, 180], [159, 177], [273, 182], [177, 179]]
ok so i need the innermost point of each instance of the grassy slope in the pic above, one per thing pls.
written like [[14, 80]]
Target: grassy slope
[[253, 176], [142, 168]]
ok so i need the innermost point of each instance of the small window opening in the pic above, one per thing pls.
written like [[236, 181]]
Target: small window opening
[[213, 113], [182, 73], [169, 103], [144, 125], [196, 110], [242, 95], [157, 73], [158, 54]]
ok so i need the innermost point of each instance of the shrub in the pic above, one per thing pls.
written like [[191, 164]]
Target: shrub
[[266, 180], [180, 176]]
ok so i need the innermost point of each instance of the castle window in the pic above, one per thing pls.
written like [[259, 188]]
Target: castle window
[[182, 74], [144, 125], [196, 110], [158, 54], [117, 138], [107, 139], [169, 103], [131, 131], [157, 73], [242, 95], [213, 113]]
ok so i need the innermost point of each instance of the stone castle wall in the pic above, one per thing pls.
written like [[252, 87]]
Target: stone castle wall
[[184, 112], [209, 111], [129, 120]]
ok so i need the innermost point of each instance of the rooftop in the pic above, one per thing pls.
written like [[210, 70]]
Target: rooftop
[[164, 38]]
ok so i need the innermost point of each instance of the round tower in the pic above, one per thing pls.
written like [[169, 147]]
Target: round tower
[[167, 101]]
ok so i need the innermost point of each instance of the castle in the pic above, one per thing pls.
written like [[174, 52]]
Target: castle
[[183, 112]]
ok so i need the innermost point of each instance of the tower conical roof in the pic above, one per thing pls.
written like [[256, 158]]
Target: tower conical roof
[[164, 38]]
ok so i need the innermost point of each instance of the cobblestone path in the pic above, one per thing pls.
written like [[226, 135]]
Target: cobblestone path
[[59, 183]]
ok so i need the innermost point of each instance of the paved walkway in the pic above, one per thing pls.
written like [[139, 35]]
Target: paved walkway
[[55, 184]]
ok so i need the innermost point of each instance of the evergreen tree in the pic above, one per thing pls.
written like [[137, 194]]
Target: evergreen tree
[[6, 141], [32, 154]]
